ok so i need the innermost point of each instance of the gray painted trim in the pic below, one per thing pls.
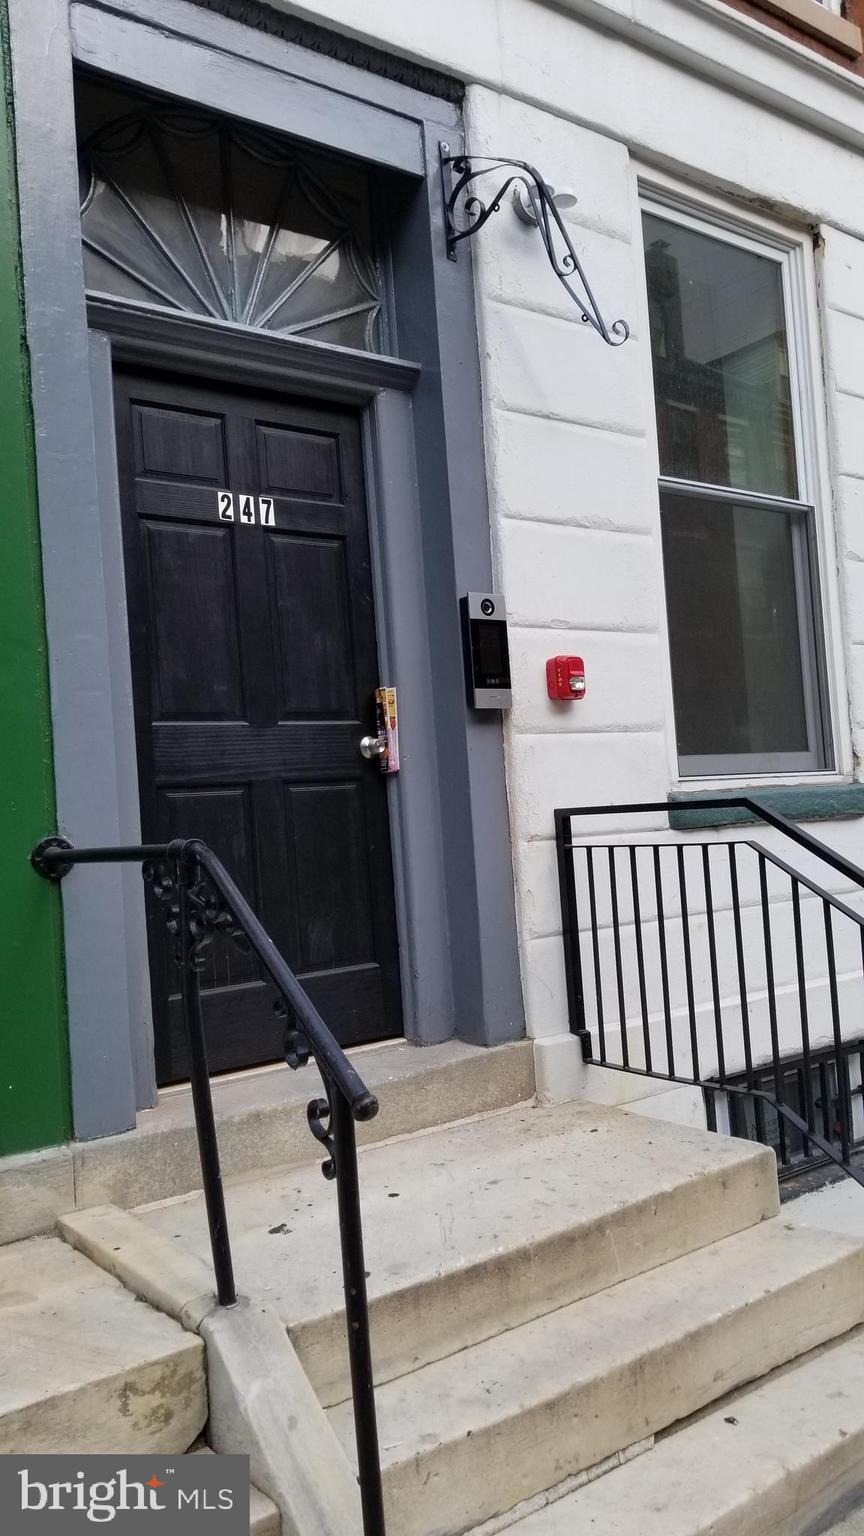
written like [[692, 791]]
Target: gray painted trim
[[452, 469], [179, 18], [135, 956], [452, 477], [272, 97], [146, 335], [463, 939], [417, 828], [78, 630], [262, 15], [813, 802]]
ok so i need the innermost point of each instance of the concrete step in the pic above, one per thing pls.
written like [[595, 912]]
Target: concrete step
[[852, 1525], [264, 1517], [466, 1438], [86, 1366], [474, 1228], [261, 1121], [785, 1459]]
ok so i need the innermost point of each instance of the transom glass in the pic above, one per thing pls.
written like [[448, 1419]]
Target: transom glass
[[214, 218]]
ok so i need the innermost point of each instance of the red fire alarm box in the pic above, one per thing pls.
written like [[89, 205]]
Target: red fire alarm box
[[565, 677]]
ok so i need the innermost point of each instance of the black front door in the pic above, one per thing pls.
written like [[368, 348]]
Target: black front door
[[254, 666]]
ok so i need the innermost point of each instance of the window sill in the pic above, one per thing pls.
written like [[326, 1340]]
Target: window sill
[[818, 21], [823, 802]]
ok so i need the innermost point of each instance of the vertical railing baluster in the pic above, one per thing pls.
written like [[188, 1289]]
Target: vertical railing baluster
[[772, 1003], [839, 1059], [802, 1100], [619, 971], [860, 1080], [664, 963], [739, 959], [712, 959], [825, 1096], [810, 1110], [640, 958], [860, 1059], [688, 963], [595, 946], [846, 1091], [202, 1099], [357, 1315], [570, 923], [759, 1117]]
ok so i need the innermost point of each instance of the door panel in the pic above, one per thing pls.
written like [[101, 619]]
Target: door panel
[[334, 900], [196, 664], [298, 463], [254, 667], [313, 619]]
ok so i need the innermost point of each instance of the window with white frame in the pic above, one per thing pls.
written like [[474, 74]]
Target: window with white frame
[[737, 499]]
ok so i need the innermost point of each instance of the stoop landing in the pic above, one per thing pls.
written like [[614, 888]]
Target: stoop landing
[[261, 1123], [471, 1229]]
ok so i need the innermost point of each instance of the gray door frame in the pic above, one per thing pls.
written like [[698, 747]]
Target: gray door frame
[[422, 428]]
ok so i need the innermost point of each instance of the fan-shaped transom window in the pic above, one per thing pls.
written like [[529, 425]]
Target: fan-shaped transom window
[[214, 218]]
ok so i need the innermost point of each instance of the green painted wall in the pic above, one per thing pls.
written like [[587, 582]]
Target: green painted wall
[[34, 1070]]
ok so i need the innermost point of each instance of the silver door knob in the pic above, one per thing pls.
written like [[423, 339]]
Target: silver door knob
[[372, 747]]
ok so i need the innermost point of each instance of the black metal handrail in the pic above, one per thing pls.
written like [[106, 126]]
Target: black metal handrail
[[603, 861], [201, 900]]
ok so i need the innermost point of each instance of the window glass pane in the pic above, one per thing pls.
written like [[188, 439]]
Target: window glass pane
[[734, 620], [721, 366]]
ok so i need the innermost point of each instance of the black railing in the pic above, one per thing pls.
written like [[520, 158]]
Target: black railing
[[808, 1085], [717, 964], [200, 900]]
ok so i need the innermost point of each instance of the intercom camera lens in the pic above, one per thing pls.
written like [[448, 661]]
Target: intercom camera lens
[[487, 606]]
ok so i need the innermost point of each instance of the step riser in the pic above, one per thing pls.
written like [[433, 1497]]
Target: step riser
[[800, 1503], [160, 1407], [783, 1459], [87, 1367], [428, 1322], [459, 1484]]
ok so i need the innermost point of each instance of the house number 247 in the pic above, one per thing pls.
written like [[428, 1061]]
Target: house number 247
[[243, 508]]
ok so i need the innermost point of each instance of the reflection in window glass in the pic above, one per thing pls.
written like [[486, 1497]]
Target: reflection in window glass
[[740, 591], [732, 602], [721, 365], [211, 217]]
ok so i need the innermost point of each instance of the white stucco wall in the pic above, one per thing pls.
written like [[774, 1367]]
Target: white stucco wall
[[599, 95]]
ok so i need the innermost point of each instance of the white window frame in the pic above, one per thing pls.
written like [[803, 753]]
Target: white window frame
[[792, 249]]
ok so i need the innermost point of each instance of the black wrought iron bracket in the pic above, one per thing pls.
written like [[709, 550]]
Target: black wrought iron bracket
[[465, 213]]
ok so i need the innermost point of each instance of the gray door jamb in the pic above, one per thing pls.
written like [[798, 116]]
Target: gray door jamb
[[77, 625]]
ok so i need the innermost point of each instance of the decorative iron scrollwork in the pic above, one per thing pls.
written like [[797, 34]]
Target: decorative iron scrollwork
[[208, 913], [466, 212], [295, 1042], [319, 1113]]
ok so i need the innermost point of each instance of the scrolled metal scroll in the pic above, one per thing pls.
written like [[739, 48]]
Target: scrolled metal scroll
[[208, 913], [466, 212]]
